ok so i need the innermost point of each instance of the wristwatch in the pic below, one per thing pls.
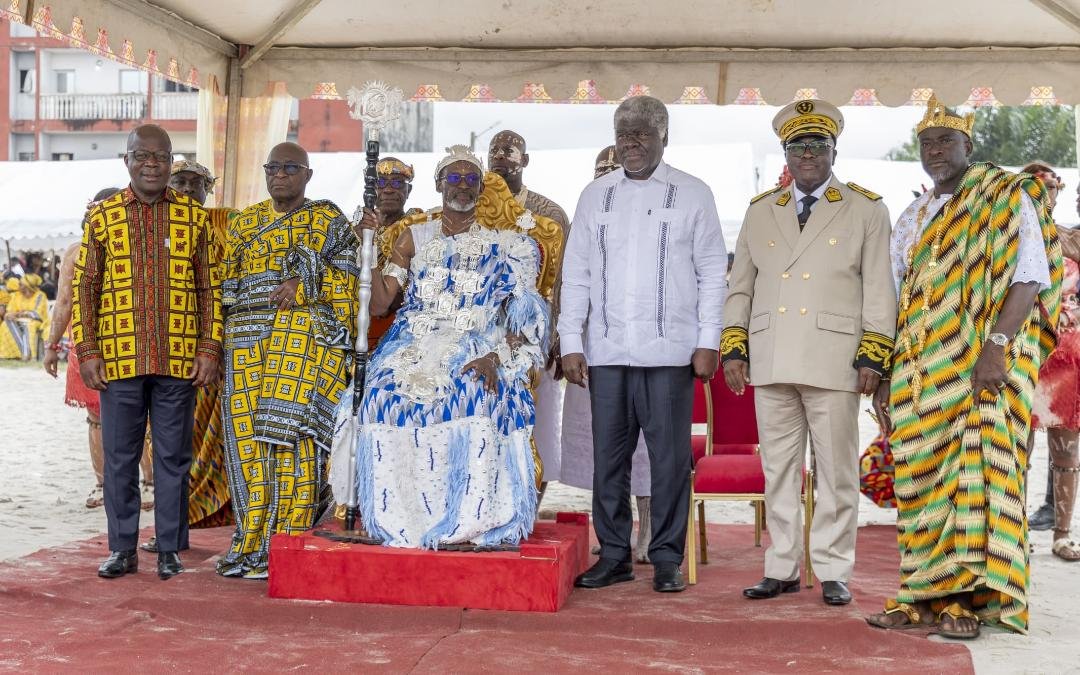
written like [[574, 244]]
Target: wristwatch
[[1000, 339]]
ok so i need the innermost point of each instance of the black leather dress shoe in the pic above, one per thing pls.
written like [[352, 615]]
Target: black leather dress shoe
[[118, 564], [835, 593], [605, 572], [168, 565], [770, 588], [667, 578]]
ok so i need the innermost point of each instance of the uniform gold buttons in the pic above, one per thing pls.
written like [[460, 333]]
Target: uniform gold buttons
[[832, 242], [806, 275], [785, 275], [782, 310], [772, 243], [802, 310]]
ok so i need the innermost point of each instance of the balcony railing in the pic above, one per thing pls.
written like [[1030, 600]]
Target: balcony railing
[[176, 106], [93, 106]]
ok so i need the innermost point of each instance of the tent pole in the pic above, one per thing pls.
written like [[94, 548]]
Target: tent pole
[[234, 89]]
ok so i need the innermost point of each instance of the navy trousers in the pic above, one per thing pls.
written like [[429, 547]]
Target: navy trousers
[[126, 405], [625, 401]]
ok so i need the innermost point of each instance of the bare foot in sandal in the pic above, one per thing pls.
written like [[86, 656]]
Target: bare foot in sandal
[[902, 616], [957, 622], [1066, 548]]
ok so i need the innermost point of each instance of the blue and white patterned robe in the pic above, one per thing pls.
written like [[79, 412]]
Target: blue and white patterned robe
[[439, 459]]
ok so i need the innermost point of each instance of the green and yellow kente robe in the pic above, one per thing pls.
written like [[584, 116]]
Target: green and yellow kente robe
[[960, 463]]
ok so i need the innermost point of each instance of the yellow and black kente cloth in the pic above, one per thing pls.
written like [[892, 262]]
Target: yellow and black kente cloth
[[284, 369], [960, 463], [208, 503]]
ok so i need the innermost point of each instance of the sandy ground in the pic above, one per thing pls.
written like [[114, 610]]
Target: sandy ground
[[45, 476]]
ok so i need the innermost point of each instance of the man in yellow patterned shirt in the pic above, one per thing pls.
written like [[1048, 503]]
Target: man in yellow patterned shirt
[[289, 291], [147, 330]]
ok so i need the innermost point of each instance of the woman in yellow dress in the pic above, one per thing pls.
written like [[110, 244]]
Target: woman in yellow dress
[[24, 321]]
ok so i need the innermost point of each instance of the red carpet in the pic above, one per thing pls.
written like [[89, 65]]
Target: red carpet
[[57, 616]]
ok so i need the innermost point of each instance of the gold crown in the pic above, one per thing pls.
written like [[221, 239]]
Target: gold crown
[[938, 116]]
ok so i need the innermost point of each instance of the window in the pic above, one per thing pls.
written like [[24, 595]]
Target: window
[[168, 86], [26, 81], [63, 156], [132, 82], [26, 156], [65, 81]]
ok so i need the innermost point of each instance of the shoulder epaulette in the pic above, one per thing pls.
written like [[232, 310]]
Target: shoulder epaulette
[[872, 196], [765, 194]]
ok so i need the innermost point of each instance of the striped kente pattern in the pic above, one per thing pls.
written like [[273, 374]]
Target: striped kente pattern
[[960, 465]]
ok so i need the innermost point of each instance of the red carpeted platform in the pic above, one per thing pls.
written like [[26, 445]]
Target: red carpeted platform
[[536, 578], [57, 616]]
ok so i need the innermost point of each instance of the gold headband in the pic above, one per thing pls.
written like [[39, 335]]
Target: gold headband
[[388, 167], [939, 117]]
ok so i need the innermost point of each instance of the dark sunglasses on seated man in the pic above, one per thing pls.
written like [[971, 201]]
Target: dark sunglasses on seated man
[[291, 168], [396, 183], [471, 179], [816, 147]]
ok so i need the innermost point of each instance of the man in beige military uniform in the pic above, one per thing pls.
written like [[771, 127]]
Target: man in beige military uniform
[[809, 320]]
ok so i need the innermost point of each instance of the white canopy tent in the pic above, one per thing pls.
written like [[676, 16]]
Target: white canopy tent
[[720, 47], [862, 52]]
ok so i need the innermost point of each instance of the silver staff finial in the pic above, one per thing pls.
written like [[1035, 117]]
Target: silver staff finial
[[376, 104]]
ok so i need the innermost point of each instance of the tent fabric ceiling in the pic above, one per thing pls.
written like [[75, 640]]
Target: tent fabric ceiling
[[722, 47]]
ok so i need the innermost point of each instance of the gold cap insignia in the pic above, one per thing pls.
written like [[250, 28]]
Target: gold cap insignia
[[804, 107], [939, 117]]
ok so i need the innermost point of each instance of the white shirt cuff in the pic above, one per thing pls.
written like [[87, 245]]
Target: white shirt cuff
[[708, 338], [571, 344]]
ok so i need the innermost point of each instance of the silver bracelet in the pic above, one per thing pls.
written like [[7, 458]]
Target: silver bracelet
[[395, 271]]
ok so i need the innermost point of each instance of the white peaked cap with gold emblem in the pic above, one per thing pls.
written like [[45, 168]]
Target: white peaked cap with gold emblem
[[811, 116]]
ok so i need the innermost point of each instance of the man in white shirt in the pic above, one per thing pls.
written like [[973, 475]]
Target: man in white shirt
[[644, 266]]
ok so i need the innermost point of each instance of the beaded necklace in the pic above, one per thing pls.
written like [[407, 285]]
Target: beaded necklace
[[926, 286]]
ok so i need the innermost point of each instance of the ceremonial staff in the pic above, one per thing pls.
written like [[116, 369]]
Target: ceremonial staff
[[375, 104]]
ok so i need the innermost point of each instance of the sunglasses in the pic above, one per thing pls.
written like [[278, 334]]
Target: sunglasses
[[291, 168], [816, 148], [471, 179], [396, 183]]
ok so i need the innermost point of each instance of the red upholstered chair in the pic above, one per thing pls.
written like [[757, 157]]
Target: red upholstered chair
[[729, 469]]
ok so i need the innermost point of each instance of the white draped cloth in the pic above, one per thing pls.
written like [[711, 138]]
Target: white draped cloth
[[577, 447]]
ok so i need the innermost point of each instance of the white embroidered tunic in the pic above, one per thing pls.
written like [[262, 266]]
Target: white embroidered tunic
[[1031, 261], [439, 459], [645, 265]]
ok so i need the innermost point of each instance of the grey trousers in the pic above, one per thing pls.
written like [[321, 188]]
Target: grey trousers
[[625, 401], [169, 402]]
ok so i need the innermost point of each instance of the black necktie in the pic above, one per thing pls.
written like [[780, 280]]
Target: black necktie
[[804, 215]]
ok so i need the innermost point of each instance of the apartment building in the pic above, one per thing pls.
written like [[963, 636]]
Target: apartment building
[[60, 103]]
